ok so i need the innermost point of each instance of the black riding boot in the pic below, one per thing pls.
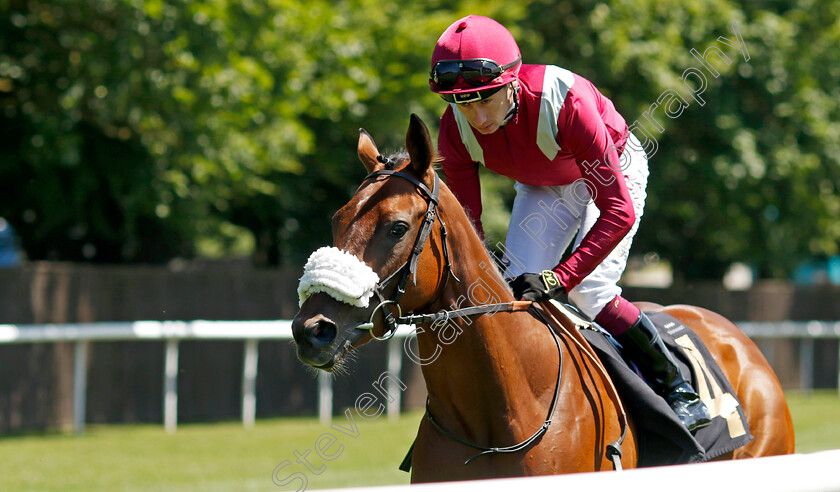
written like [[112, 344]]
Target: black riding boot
[[646, 348]]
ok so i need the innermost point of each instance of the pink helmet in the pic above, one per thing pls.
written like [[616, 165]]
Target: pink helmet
[[474, 54]]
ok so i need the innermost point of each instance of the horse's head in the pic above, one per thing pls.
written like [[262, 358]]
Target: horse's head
[[351, 292]]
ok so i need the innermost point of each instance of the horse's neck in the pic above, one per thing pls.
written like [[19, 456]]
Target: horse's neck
[[486, 364]]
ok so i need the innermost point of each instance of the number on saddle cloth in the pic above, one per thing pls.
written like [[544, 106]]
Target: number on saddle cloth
[[665, 440]]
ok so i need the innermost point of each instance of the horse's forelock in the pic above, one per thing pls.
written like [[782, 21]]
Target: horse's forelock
[[394, 160]]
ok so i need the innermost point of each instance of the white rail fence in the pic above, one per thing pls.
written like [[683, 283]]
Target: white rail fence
[[808, 332], [172, 332]]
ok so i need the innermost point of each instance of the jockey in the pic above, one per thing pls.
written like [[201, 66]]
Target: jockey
[[580, 178]]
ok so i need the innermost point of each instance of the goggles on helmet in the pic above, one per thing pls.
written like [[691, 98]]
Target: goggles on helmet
[[475, 71]]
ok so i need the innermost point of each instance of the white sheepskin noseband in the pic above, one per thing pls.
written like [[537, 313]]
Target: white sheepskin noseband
[[340, 275]]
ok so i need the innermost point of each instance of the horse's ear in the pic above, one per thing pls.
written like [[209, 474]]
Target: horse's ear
[[419, 145], [368, 152]]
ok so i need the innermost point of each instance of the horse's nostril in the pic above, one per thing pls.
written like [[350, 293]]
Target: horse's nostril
[[321, 332]]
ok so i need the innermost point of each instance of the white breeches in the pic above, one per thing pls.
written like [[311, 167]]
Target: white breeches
[[545, 219]]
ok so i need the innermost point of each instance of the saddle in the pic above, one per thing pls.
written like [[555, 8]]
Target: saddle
[[660, 436]]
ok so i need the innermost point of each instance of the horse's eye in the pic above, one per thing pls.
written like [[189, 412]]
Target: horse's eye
[[399, 230]]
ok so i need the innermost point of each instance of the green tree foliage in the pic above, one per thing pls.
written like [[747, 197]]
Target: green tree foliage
[[137, 128], [138, 131], [76, 181], [748, 174]]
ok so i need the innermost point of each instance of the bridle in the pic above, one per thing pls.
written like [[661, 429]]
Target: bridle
[[409, 268]]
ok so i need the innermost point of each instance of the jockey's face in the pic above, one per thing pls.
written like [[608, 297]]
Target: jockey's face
[[487, 115]]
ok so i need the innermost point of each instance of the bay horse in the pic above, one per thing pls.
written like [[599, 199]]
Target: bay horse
[[497, 376]]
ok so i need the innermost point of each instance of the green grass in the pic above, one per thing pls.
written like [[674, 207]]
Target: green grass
[[816, 420], [207, 457], [226, 457]]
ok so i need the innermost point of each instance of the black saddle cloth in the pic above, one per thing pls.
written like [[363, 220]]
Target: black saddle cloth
[[660, 436]]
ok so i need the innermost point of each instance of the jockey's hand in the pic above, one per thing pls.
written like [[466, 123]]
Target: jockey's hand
[[538, 287]]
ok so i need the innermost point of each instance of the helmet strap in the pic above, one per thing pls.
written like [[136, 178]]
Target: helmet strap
[[514, 108]]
